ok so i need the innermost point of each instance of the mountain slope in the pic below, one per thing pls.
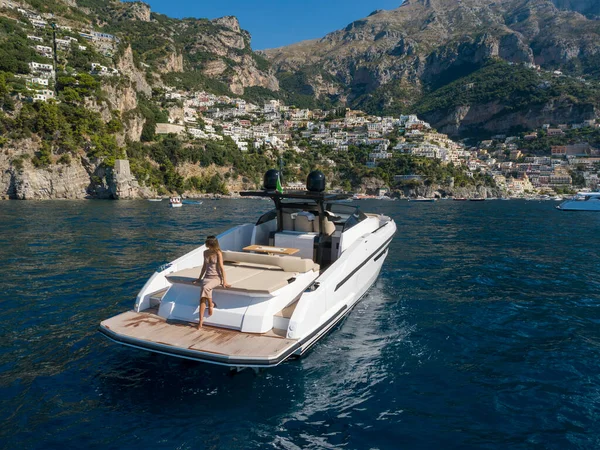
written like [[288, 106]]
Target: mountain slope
[[217, 50], [390, 59]]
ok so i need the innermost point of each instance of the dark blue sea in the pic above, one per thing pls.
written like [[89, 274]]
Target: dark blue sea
[[483, 331]]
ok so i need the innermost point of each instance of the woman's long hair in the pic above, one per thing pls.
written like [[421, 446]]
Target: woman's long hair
[[213, 244]]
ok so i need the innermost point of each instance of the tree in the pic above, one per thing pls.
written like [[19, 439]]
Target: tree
[[43, 157], [48, 118], [70, 95], [149, 130]]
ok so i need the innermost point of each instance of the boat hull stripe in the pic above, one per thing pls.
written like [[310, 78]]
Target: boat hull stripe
[[361, 265], [382, 253]]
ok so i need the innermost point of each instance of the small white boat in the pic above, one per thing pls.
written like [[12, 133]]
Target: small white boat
[[175, 202], [583, 201], [155, 199], [316, 259], [421, 199]]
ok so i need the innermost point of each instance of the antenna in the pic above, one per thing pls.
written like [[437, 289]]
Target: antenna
[[281, 168]]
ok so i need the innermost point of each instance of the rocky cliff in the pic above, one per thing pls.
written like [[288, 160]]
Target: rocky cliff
[[79, 178], [218, 48], [390, 59]]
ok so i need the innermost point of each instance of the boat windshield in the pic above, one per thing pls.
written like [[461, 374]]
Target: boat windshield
[[346, 215]]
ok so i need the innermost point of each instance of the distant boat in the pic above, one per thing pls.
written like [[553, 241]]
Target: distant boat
[[155, 199], [175, 202], [459, 199], [583, 201], [477, 199], [191, 202], [421, 199]]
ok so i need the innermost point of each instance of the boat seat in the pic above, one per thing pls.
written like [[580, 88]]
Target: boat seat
[[241, 278], [304, 223], [285, 262], [234, 274], [328, 227]]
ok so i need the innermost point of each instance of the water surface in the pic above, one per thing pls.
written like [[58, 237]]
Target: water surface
[[481, 332]]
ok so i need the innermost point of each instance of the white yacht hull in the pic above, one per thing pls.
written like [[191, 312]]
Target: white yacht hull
[[577, 205], [251, 334]]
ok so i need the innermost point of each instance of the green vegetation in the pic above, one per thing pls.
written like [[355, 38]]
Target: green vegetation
[[15, 49], [543, 144], [196, 81], [393, 98], [349, 167], [513, 86], [296, 89], [169, 152]]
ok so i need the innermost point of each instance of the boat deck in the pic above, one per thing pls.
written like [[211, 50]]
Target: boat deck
[[149, 331]]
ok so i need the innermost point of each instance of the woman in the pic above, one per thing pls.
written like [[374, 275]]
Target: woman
[[211, 276]]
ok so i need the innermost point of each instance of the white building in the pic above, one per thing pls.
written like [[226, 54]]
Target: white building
[[44, 50], [39, 81], [37, 67], [63, 43], [271, 106], [39, 23], [99, 69], [42, 95], [380, 155]]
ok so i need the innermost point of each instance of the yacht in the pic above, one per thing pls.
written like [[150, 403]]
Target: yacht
[[421, 199], [583, 201], [175, 202], [191, 202], [294, 274]]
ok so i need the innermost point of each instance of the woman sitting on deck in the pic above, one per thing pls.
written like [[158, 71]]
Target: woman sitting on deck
[[214, 276]]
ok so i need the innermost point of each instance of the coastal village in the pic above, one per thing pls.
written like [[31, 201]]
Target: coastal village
[[202, 115], [273, 125]]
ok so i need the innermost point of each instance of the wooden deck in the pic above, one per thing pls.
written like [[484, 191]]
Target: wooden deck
[[148, 330]]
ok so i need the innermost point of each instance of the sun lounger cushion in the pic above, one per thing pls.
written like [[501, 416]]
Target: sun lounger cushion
[[287, 263]]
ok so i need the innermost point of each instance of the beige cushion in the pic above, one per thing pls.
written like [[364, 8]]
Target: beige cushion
[[264, 282], [234, 274], [185, 275], [303, 224], [328, 227], [287, 263]]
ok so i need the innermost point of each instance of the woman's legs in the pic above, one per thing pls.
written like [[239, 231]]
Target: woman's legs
[[203, 302]]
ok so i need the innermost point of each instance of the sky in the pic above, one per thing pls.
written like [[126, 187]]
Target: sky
[[275, 23]]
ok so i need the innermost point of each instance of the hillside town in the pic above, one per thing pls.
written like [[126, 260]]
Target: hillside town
[[52, 42], [200, 115]]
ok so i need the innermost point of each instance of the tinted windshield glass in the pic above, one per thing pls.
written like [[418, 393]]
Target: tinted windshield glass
[[348, 215]]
